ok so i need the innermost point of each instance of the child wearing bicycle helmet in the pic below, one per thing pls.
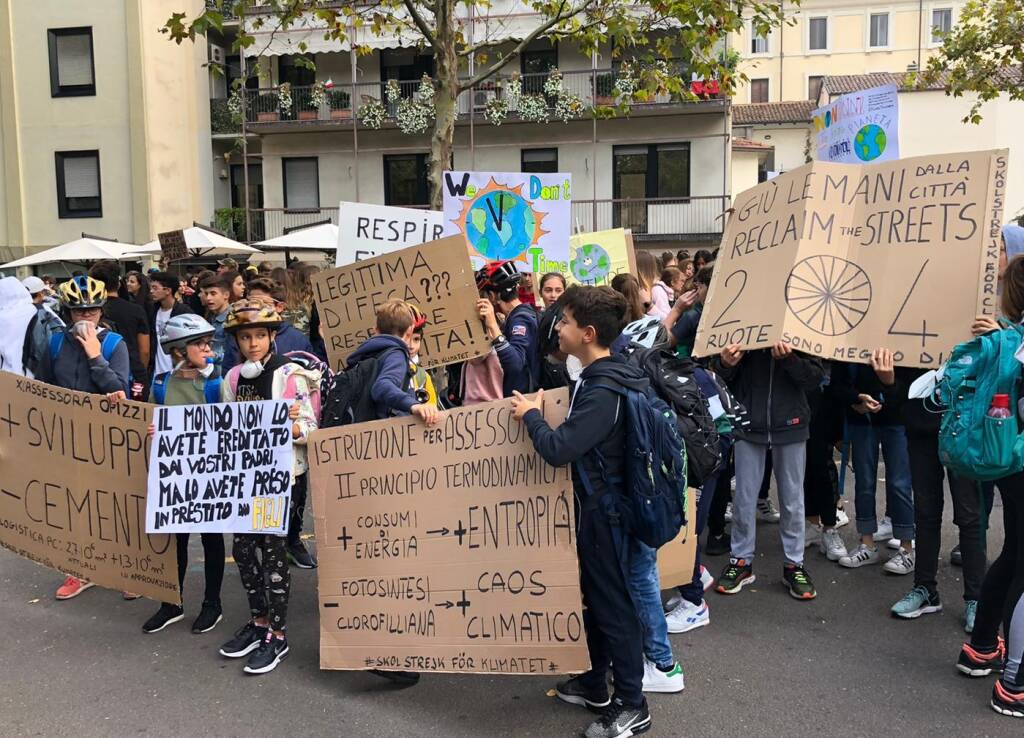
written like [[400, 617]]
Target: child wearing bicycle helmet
[[422, 384], [266, 375], [188, 341], [515, 342]]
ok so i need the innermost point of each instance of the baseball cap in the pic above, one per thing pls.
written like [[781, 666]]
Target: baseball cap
[[34, 285], [228, 262]]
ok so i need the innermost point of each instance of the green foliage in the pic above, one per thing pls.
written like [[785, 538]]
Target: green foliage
[[221, 118], [231, 221], [338, 99], [983, 54]]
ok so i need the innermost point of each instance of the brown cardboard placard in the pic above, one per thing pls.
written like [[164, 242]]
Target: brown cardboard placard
[[73, 471], [840, 259], [446, 549], [173, 246], [435, 276], [675, 559]]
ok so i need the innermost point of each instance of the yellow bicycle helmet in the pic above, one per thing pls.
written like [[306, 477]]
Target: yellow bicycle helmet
[[252, 314], [82, 293]]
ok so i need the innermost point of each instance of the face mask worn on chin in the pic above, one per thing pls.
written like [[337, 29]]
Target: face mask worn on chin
[[251, 369]]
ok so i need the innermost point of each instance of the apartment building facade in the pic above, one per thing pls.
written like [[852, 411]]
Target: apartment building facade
[[104, 125]]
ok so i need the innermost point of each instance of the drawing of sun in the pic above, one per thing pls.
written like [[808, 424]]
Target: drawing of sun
[[500, 223]]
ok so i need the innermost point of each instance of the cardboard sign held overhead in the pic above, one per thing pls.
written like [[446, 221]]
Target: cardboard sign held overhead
[[595, 258], [446, 549], [435, 276], [221, 468], [173, 246], [838, 260], [511, 215], [73, 488], [365, 231]]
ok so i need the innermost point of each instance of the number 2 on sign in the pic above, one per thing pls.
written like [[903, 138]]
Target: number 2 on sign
[[720, 322]]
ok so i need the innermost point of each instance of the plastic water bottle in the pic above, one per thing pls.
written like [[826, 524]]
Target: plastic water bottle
[[1000, 407]]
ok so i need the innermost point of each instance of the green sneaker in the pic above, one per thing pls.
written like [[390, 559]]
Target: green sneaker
[[735, 577], [799, 582], [970, 613], [917, 602]]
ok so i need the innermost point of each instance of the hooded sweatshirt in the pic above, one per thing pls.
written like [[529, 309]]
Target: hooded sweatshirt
[[16, 312], [391, 392], [1013, 237], [595, 422], [518, 354]]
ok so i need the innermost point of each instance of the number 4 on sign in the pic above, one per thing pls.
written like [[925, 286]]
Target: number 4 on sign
[[923, 333]]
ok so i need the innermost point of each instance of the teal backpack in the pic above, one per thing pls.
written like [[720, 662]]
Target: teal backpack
[[972, 444]]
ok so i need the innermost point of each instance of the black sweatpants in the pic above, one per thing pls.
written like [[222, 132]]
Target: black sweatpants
[[820, 482], [614, 632], [213, 565], [926, 475], [267, 582], [723, 494], [298, 508]]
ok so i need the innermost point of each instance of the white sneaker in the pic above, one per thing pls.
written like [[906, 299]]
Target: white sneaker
[[728, 513], [766, 511], [894, 544], [832, 545], [656, 680], [841, 517], [673, 602], [706, 579], [812, 535], [862, 556], [902, 562], [884, 532], [686, 617]]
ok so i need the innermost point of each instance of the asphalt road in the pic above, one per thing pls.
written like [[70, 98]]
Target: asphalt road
[[766, 666]]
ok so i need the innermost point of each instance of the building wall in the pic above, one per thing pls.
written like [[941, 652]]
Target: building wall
[[744, 170], [789, 61]]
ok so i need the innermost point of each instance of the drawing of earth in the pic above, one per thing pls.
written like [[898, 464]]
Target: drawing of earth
[[591, 265], [869, 143], [501, 225]]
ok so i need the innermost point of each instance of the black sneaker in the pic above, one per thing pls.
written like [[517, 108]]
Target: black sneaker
[[737, 575], [300, 557], [799, 582], [973, 662], [1007, 701], [246, 639], [955, 557], [166, 615], [575, 693], [404, 678], [716, 545], [209, 616], [268, 654], [619, 721]]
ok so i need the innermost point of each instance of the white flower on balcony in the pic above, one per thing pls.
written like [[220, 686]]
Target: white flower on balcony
[[533, 108], [393, 91], [372, 114], [495, 111], [318, 96], [284, 97], [568, 106], [553, 84]]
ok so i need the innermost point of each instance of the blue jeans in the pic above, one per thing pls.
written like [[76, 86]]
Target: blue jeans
[[645, 586], [899, 499]]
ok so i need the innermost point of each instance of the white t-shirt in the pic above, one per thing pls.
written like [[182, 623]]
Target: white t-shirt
[[162, 360]]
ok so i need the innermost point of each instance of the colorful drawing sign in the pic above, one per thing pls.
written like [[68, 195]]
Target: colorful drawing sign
[[860, 127], [595, 258], [511, 215]]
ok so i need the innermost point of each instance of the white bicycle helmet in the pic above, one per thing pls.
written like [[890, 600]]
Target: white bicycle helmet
[[182, 330]]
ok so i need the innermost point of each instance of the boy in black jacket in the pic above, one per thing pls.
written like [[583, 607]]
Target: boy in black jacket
[[592, 318], [772, 384]]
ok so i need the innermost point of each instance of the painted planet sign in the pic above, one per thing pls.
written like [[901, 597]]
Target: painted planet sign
[[859, 128]]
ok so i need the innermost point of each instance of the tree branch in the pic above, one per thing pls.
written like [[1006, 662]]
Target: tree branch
[[420, 22], [527, 40]]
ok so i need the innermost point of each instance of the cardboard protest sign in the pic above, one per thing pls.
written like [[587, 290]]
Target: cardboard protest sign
[[676, 558], [511, 215], [838, 260], [220, 468], [446, 549], [859, 127], [365, 231], [595, 258], [173, 246], [435, 276], [73, 488]]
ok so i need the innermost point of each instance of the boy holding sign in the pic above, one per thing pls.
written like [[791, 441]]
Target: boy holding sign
[[265, 375]]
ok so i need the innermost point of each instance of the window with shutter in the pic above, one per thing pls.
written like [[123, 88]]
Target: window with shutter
[[879, 30], [818, 34], [301, 183], [538, 160], [79, 192], [71, 62], [942, 23]]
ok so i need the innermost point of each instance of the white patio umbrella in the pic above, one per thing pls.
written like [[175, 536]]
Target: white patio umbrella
[[79, 251], [320, 237], [201, 242]]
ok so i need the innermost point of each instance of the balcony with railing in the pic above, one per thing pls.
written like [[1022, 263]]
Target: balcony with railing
[[652, 219], [268, 109]]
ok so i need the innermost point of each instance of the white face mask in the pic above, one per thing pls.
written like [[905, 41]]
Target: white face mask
[[207, 370], [251, 369]]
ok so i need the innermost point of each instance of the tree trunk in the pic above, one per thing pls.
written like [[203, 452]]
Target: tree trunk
[[446, 66]]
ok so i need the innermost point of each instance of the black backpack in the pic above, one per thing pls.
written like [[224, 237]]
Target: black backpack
[[348, 400], [673, 378]]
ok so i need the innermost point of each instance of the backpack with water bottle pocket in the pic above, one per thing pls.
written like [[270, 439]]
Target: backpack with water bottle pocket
[[972, 443]]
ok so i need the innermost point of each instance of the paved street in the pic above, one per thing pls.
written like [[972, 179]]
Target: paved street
[[766, 666]]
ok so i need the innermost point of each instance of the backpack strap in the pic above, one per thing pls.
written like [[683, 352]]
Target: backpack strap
[[232, 378], [109, 344], [211, 391], [159, 389], [56, 344]]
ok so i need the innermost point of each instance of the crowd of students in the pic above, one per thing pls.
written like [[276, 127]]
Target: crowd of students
[[233, 335]]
